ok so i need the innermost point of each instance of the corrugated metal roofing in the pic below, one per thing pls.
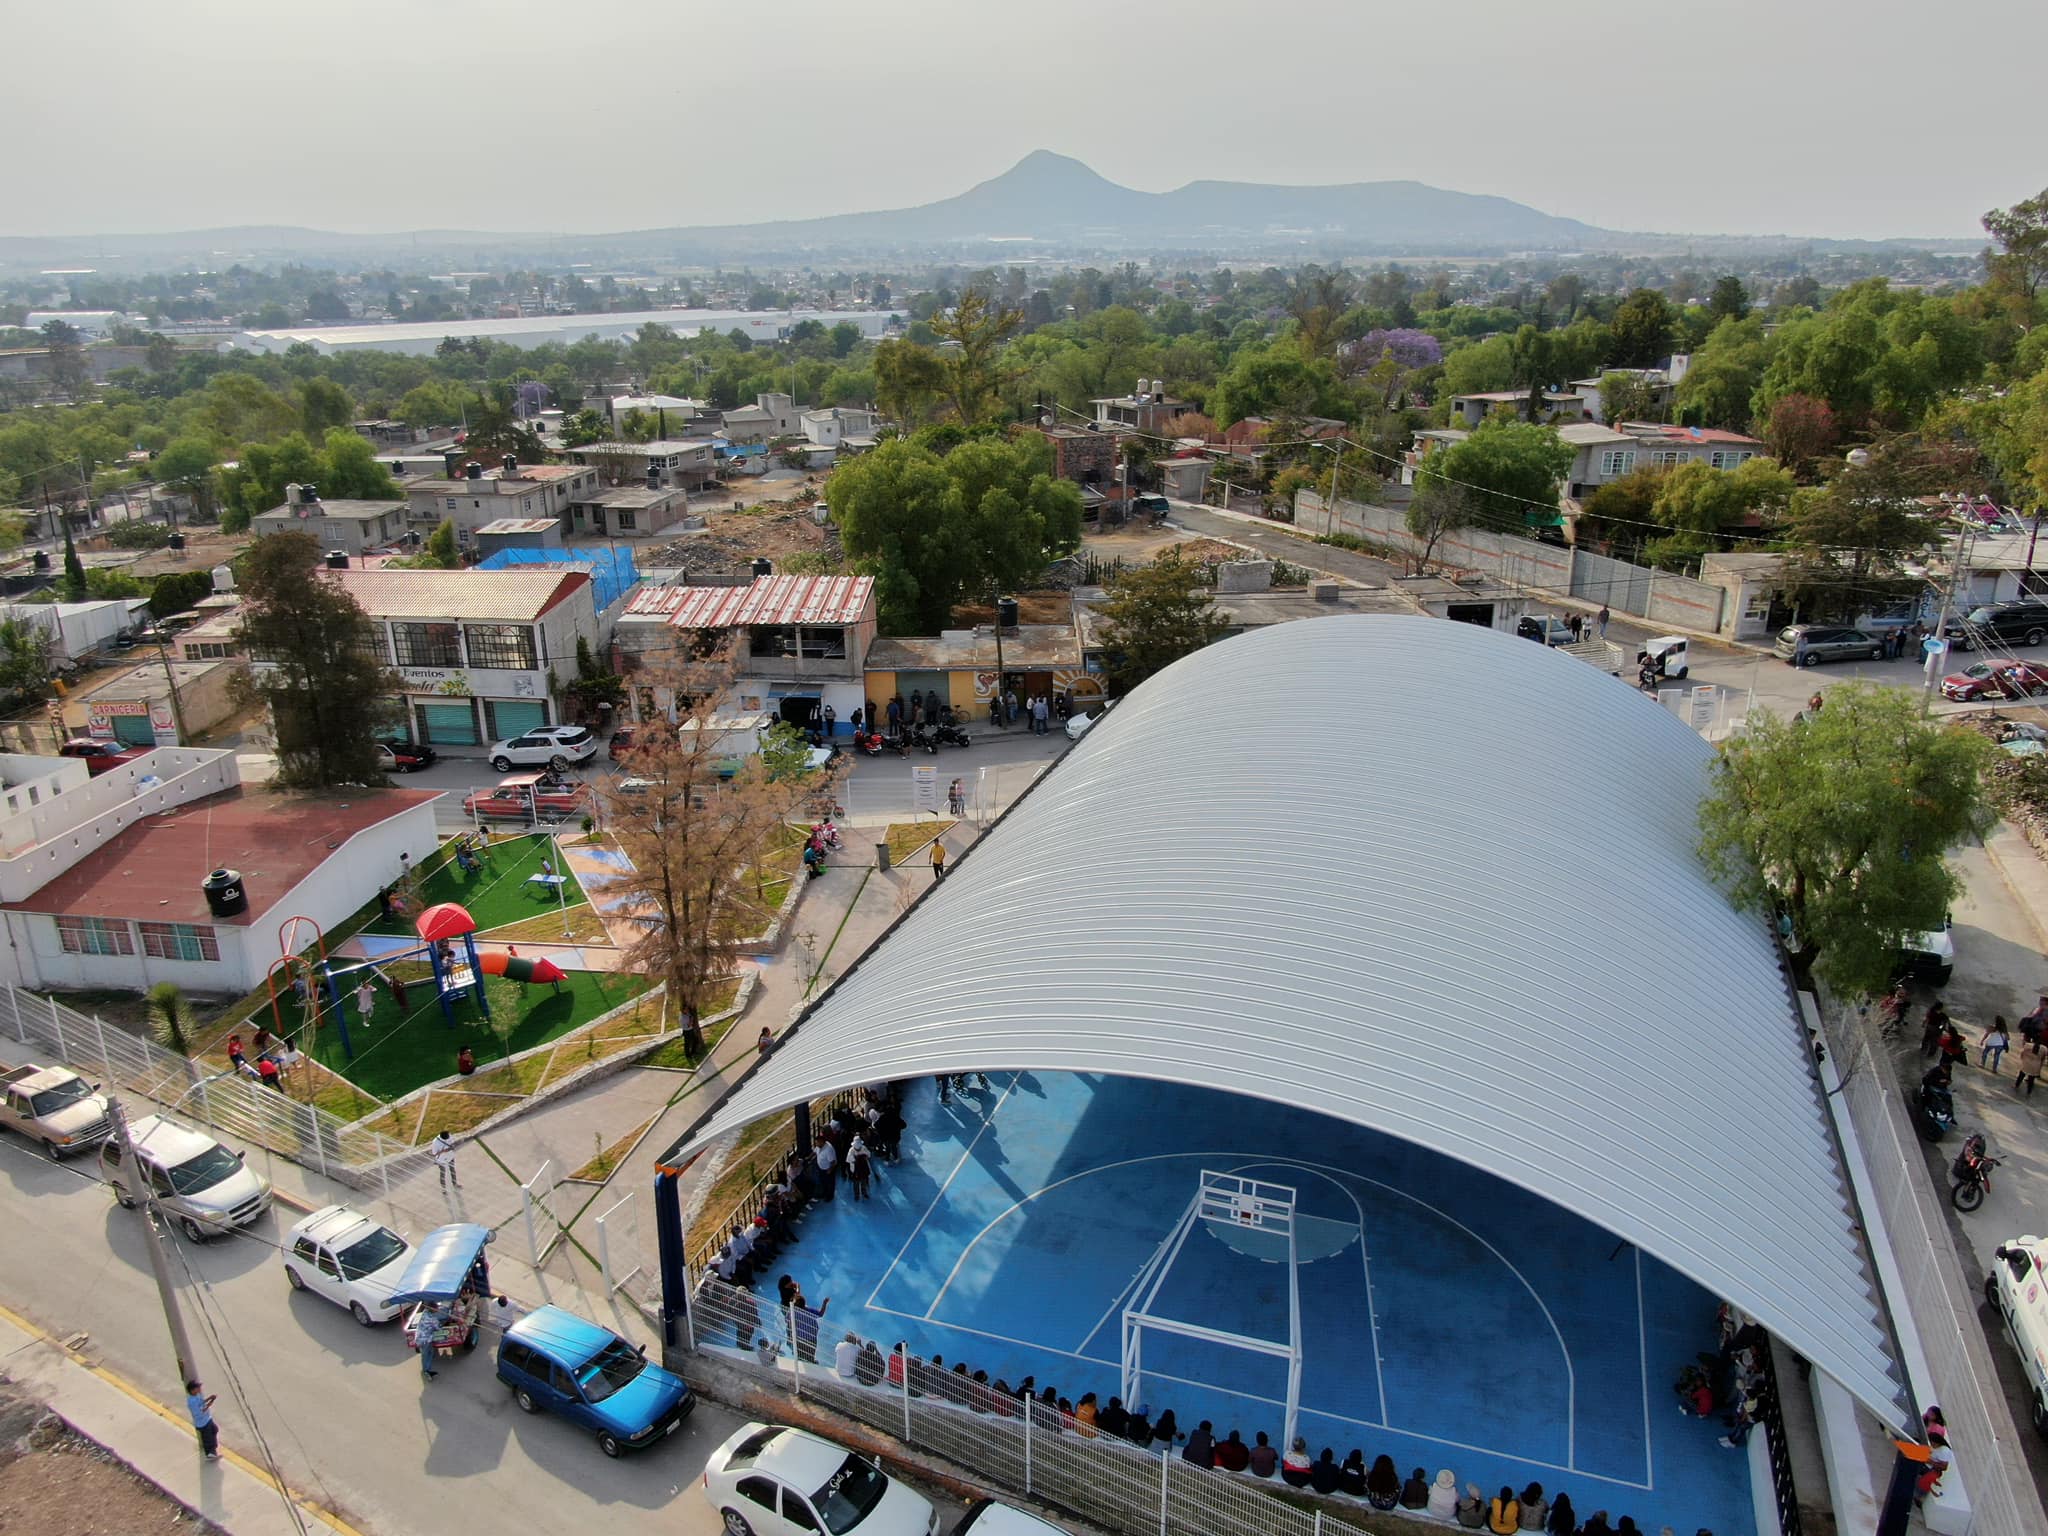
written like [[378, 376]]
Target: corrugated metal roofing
[[508, 596], [1422, 877], [765, 600]]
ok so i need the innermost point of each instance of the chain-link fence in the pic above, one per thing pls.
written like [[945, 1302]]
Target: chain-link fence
[[1015, 1442], [710, 1236], [1937, 1291], [45, 1029]]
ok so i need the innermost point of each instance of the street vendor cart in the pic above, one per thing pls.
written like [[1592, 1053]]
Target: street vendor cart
[[448, 1280]]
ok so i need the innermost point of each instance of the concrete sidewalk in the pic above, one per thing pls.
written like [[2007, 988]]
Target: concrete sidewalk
[[157, 1439]]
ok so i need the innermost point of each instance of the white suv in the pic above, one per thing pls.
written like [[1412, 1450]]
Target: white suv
[[198, 1183], [552, 746], [342, 1256]]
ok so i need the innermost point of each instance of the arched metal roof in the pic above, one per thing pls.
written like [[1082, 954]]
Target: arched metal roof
[[1417, 875]]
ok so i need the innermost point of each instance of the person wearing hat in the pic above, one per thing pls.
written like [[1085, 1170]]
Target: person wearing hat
[[1443, 1495], [1471, 1511]]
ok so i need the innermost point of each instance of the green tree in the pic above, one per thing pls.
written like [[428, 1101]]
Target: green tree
[[1725, 371], [187, 466], [495, 428], [1839, 822], [1278, 380], [1155, 615], [317, 667], [1511, 470], [440, 552], [1642, 328], [24, 664], [323, 406], [1730, 300], [585, 428], [432, 404], [1848, 541], [1629, 397], [1437, 508], [176, 591], [168, 1017], [67, 358], [73, 585], [845, 337], [977, 326], [1479, 369], [2020, 264]]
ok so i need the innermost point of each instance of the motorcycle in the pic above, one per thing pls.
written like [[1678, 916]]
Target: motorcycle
[[1934, 1112], [1972, 1172], [950, 735], [921, 737]]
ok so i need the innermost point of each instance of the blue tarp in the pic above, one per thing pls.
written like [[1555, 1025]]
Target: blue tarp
[[441, 1263], [611, 567]]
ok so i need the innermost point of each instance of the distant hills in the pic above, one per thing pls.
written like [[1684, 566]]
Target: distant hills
[[1044, 204]]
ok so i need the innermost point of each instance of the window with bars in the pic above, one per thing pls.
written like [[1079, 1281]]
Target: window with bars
[[179, 941], [426, 645], [1728, 460], [94, 935], [508, 647], [1616, 462]]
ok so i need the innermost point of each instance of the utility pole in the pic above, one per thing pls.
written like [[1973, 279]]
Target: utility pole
[[171, 677], [153, 1237], [1937, 643]]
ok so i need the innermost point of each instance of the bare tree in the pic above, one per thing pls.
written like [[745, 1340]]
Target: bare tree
[[695, 828]]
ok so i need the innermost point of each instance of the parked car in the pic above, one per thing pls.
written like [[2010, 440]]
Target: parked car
[[1079, 724], [768, 1480], [989, 1517], [524, 797], [344, 1257], [1930, 957], [621, 743], [1544, 629], [403, 757], [552, 746], [557, 1362], [1806, 645], [1672, 653], [2024, 622], [54, 1107], [99, 754], [204, 1189], [2016, 1291], [1996, 680]]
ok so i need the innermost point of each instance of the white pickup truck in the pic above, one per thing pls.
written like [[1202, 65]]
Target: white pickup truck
[[55, 1107]]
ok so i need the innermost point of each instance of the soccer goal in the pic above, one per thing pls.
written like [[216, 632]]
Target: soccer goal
[[1235, 1209]]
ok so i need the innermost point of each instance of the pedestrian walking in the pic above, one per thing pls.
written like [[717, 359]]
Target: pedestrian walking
[[366, 999], [859, 1168], [1577, 623], [237, 1057], [956, 799], [1040, 713], [938, 861], [1991, 1049], [397, 986], [1936, 1027], [1602, 621], [2032, 1058], [200, 1406], [442, 1150]]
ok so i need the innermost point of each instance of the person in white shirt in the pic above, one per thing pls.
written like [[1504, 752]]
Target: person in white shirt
[[442, 1150], [846, 1357], [828, 1168]]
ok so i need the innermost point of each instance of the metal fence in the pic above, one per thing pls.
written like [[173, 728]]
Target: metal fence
[[51, 1033], [1939, 1294], [1023, 1445], [743, 1211], [1777, 1450]]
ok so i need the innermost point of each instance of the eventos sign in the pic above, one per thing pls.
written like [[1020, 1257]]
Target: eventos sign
[[454, 683]]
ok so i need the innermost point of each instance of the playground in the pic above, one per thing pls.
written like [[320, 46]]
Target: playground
[[1425, 1308]]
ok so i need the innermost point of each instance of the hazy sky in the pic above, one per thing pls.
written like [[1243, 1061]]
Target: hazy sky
[[1743, 116]]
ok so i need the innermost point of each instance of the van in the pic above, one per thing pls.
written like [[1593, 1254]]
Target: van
[[204, 1189], [2017, 1289], [557, 1362]]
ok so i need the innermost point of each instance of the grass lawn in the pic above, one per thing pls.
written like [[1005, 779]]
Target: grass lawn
[[498, 893], [398, 1051], [607, 1159], [906, 837], [585, 927]]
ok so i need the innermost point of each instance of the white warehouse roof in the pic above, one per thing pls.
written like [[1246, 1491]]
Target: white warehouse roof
[[1416, 875]]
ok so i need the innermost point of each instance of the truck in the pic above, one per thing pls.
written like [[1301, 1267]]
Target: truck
[[55, 1107]]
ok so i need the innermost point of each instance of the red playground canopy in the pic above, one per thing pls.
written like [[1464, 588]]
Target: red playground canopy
[[445, 920]]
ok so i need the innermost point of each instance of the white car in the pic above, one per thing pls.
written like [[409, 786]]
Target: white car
[[771, 1481], [987, 1517], [1077, 725], [344, 1257], [552, 746]]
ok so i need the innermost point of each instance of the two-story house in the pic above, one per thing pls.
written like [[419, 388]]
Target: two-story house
[[1605, 453], [1556, 405], [479, 653], [1148, 408], [481, 495], [351, 527], [800, 642], [770, 416]]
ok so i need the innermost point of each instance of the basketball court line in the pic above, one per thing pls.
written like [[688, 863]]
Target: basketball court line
[[1335, 1175], [1643, 1346]]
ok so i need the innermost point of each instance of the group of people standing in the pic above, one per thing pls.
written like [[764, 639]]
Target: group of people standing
[[1942, 1037]]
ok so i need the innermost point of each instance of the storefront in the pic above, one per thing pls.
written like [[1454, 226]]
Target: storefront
[[1038, 661], [471, 709]]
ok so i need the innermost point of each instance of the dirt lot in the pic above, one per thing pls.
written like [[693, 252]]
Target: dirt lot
[[733, 539], [55, 1482]]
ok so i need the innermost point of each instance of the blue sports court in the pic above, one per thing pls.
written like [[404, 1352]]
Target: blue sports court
[[1448, 1318]]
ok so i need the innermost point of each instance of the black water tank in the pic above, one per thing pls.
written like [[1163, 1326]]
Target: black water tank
[[1006, 612], [763, 566], [224, 894], [42, 560], [337, 559], [177, 541]]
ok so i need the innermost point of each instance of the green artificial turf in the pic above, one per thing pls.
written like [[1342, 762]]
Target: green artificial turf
[[396, 1052], [498, 893]]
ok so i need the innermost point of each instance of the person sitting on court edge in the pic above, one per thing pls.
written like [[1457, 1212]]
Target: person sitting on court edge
[[1166, 1429], [1383, 1483], [1353, 1473], [1504, 1514], [1415, 1492], [1138, 1426], [1564, 1520], [1597, 1526], [1326, 1476], [1471, 1508], [1294, 1466], [1443, 1495], [1265, 1461], [1232, 1454], [1201, 1449], [1535, 1508], [1114, 1420]]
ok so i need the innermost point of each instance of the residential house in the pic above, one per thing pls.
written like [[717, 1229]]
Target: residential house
[[352, 527], [1470, 410], [769, 417], [842, 429], [684, 463], [105, 882], [481, 496], [961, 667], [1605, 453], [216, 637], [801, 641], [479, 654], [629, 511], [1148, 408], [1662, 384], [1755, 608], [1184, 479], [1083, 455]]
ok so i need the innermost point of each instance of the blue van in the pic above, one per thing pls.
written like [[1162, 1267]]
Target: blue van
[[555, 1361]]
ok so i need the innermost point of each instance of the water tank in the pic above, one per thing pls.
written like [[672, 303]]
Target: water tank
[[337, 559], [308, 494], [224, 894], [763, 566], [653, 476], [511, 464], [1006, 612], [473, 470], [176, 541], [291, 495], [42, 560], [223, 578]]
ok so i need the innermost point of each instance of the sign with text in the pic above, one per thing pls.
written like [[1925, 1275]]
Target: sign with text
[[924, 789]]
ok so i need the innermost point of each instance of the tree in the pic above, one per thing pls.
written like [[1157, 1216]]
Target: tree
[[696, 844], [2020, 264], [1800, 431], [1629, 397], [67, 358], [1153, 616], [317, 666], [1848, 541], [844, 338], [1730, 300], [1511, 470], [1725, 371], [176, 591], [323, 406], [584, 428], [1438, 508], [495, 428], [977, 326], [24, 664], [936, 527], [167, 1017], [1839, 821], [1642, 330], [440, 552], [187, 466], [1318, 300], [1278, 380], [73, 585], [1535, 367]]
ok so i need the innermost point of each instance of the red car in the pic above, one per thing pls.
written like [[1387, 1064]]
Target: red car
[[622, 742], [524, 798], [1996, 680], [100, 756]]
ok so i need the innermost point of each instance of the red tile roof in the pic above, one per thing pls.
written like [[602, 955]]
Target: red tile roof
[[766, 600], [152, 871]]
